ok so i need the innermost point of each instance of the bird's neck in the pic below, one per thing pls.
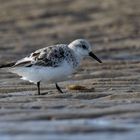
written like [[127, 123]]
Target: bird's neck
[[78, 57]]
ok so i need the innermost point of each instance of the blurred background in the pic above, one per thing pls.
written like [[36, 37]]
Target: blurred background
[[109, 107], [113, 26]]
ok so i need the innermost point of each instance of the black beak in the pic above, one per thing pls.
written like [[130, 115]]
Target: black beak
[[95, 57]]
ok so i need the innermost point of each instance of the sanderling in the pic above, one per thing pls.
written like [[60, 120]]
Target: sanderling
[[52, 64]]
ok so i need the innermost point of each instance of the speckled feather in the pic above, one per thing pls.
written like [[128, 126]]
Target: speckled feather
[[52, 56]]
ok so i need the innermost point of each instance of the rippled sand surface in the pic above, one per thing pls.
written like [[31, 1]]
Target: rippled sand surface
[[110, 107]]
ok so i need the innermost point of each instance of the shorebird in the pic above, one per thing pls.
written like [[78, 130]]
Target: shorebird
[[52, 64]]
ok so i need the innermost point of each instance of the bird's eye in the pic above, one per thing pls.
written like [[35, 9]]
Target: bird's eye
[[84, 46]]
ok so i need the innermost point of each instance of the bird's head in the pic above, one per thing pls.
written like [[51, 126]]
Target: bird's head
[[82, 48]]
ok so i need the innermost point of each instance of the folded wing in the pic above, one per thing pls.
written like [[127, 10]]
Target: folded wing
[[51, 56]]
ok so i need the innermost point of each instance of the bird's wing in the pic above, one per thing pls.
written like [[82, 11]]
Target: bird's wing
[[25, 62], [51, 56]]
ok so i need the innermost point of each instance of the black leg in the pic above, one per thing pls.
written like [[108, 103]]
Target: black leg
[[38, 87], [58, 88]]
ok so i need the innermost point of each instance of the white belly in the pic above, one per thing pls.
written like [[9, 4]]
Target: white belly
[[44, 74]]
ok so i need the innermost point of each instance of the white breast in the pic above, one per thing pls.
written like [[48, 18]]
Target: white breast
[[44, 74]]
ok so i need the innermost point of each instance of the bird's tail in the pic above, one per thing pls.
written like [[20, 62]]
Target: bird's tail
[[7, 65]]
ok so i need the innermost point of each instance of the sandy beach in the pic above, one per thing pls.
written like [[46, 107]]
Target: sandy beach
[[109, 107]]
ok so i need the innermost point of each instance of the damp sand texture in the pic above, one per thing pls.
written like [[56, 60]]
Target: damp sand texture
[[107, 104]]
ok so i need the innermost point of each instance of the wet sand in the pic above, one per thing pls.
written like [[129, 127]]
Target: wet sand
[[110, 107]]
